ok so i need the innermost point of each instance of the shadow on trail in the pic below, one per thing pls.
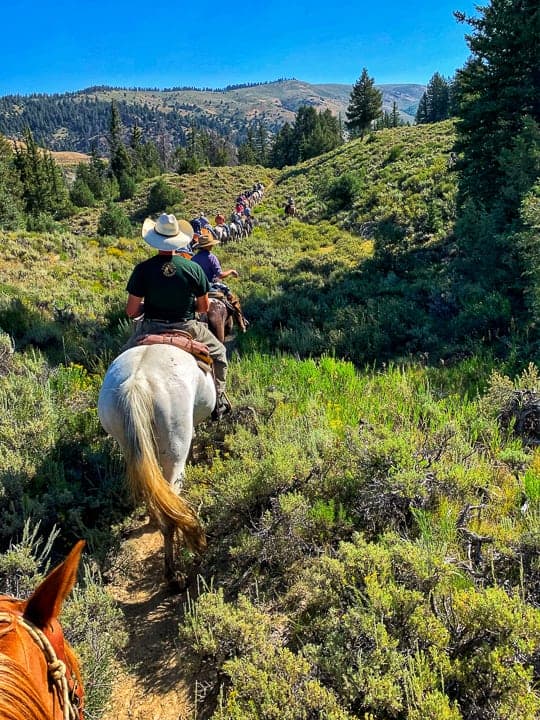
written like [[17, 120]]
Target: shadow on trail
[[152, 614]]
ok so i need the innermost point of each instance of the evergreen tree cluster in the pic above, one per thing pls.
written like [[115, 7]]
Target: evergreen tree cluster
[[497, 96], [311, 134], [255, 149], [11, 204], [32, 188], [435, 104], [389, 119], [202, 148], [128, 165], [85, 121], [44, 189]]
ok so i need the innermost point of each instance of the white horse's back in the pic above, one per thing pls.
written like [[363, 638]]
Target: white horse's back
[[151, 397], [182, 395]]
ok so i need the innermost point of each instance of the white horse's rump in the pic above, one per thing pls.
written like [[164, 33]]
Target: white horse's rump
[[150, 400]]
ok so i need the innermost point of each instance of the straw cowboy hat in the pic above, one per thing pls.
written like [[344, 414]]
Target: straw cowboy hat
[[167, 233], [206, 240]]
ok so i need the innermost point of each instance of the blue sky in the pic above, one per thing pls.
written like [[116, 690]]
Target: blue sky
[[69, 45]]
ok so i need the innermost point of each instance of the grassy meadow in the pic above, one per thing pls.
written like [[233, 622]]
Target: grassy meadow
[[373, 527]]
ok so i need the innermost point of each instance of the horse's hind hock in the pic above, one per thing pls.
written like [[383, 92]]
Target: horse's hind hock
[[178, 481]]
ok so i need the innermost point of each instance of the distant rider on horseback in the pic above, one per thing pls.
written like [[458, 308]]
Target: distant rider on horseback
[[290, 207]]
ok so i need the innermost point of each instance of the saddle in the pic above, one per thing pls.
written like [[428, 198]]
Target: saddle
[[183, 340], [217, 294], [232, 303]]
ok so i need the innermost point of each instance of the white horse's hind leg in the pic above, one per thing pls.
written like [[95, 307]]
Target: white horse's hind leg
[[177, 431], [175, 579], [173, 470]]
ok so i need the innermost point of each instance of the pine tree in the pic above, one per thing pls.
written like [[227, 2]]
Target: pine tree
[[365, 105], [191, 158], [115, 128], [10, 189], [121, 165], [80, 194], [261, 144], [498, 144], [283, 149], [95, 173], [247, 153], [135, 141], [312, 134], [422, 112], [44, 189], [435, 102], [304, 127], [498, 97], [438, 98], [395, 120]]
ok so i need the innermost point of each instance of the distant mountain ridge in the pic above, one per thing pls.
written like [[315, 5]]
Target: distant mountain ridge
[[77, 120]]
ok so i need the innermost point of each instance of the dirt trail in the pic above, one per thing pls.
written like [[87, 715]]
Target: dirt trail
[[152, 684], [154, 688]]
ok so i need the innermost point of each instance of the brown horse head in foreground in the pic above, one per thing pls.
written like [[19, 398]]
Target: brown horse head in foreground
[[39, 673]]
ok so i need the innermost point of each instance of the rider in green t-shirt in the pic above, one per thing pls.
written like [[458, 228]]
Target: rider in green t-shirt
[[168, 289]]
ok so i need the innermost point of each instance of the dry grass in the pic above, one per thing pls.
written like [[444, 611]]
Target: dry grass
[[62, 158]]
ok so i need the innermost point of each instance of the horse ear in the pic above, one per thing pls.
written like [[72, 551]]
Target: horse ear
[[46, 601]]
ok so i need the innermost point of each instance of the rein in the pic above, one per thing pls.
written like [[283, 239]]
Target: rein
[[69, 693]]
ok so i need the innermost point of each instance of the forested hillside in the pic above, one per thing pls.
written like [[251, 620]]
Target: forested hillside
[[79, 121]]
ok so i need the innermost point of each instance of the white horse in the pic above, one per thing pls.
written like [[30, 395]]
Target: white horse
[[150, 400], [221, 233]]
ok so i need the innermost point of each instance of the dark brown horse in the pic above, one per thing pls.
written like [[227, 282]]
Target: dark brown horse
[[221, 316], [290, 210], [39, 673]]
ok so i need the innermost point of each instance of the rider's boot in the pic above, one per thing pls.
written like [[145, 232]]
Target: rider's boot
[[223, 407]]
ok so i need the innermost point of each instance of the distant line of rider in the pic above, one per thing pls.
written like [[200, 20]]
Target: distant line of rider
[[241, 221], [167, 292]]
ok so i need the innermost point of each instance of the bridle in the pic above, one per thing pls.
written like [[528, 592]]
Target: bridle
[[69, 690]]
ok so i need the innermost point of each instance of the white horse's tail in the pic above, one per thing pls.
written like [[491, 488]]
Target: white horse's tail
[[144, 475]]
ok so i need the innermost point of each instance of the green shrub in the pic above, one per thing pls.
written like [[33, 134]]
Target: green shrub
[[91, 622], [22, 564], [274, 684], [94, 627], [11, 214], [395, 153], [81, 195], [163, 197], [114, 221], [126, 186], [342, 191], [494, 640], [42, 222]]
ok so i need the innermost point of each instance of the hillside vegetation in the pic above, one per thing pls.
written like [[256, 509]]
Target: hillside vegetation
[[386, 285], [374, 527], [76, 121]]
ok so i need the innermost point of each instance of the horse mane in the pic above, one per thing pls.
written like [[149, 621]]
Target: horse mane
[[18, 697]]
